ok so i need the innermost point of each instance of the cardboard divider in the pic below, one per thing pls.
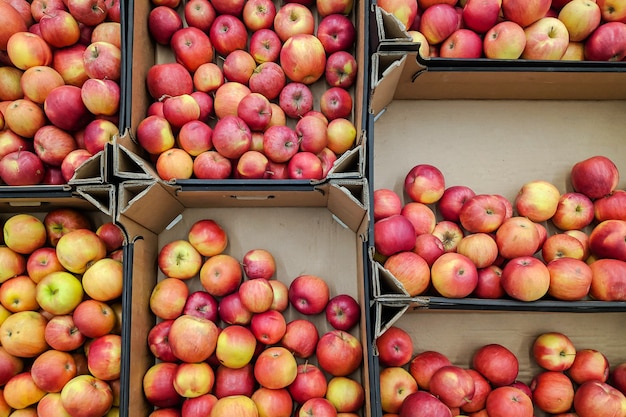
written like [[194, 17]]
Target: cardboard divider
[[324, 236], [143, 53]]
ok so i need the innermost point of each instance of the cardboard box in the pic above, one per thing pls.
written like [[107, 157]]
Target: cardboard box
[[324, 236], [443, 78], [97, 203], [142, 52], [465, 122]]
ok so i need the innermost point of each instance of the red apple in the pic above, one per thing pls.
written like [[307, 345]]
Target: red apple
[[496, 363], [454, 275], [606, 240], [594, 177], [404, 11], [86, 395], [343, 312], [228, 33], [341, 69], [570, 279], [482, 213], [525, 13], [505, 40], [596, 398], [336, 103], [258, 14], [269, 80], [480, 16], [517, 236], [300, 337], [424, 183], [462, 43], [220, 275], [158, 342], [393, 234], [452, 200], [309, 294], [552, 392], [395, 347], [607, 42], [199, 14], [211, 165], [410, 270], [275, 368], [509, 401], [296, 99], [310, 382], [202, 304], [193, 339], [425, 364], [159, 80], [303, 58], [231, 137], [453, 385], [268, 327], [422, 404], [589, 364], [438, 22], [293, 19], [607, 281], [168, 298], [265, 46], [336, 32], [339, 353]]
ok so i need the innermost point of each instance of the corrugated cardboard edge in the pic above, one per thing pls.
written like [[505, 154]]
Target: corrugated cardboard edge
[[92, 171], [102, 196], [389, 28], [385, 286], [128, 162], [387, 68], [141, 201], [386, 313]]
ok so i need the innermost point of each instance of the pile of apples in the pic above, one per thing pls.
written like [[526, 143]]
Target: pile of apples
[[572, 382], [545, 244], [60, 66], [254, 91], [572, 30], [242, 343], [60, 315]]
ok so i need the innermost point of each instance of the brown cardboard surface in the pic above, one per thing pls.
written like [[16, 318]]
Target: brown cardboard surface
[[145, 54], [458, 334], [304, 240], [496, 146]]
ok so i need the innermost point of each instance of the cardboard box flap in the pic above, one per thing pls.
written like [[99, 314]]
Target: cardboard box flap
[[440, 78], [350, 164], [92, 171], [390, 30], [387, 68], [348, 201], [384, 285], [386, 314], [127, 164], [101, 196], [151, 204]]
